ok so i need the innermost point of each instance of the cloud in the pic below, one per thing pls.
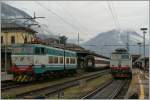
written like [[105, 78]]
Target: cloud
[[90, 17]]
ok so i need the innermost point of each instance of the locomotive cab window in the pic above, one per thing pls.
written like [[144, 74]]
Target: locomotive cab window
[[37, 50], [125, 56], [43, 51]]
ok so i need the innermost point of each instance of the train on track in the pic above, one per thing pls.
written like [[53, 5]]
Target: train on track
[[39, 61], [121, 64]]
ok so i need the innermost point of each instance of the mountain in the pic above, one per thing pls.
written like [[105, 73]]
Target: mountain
[[9, 15], [45, 36], [106, 42], [18, 17]]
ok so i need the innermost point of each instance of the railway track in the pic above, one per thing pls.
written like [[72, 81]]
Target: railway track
[[109, 90], [5, 86], [46, 91], [123, 91], [10, 85]]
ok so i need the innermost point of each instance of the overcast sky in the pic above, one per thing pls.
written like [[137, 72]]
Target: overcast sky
[[87, 17]]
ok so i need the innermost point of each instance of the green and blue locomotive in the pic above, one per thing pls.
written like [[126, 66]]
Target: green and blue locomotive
[[38, 61]]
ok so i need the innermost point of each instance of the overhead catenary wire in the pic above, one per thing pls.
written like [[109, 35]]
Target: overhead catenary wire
[[74, 18], [62, 19], [113, 16]]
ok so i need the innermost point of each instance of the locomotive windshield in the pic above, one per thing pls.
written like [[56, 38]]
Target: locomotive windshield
[[124, 56], [115, 56], [22, 55], [23, 50], [119, 56]]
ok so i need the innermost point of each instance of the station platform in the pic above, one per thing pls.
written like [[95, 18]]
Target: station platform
[[139, 87]]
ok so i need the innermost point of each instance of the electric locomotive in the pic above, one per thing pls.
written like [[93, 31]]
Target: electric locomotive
[[121, 64], [38, 61]]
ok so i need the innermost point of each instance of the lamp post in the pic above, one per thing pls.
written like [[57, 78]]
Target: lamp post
[[139, 48], [63, 40], [5, 44], [64, 56], [144, 32]]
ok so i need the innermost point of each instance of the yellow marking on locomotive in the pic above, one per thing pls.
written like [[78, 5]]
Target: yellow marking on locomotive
[[26, 79], [23, 78], [19, 78], [16, 78]]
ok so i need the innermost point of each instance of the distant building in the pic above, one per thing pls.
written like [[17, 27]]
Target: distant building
[[12, 33], [51, 40], [13, 30]]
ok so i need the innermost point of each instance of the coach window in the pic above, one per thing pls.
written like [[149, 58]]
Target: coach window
[[61, 60], [50, 59], [67, 60], [55, 59], [73, 61]]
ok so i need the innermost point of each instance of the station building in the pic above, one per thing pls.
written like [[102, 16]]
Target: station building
[[12, 33]]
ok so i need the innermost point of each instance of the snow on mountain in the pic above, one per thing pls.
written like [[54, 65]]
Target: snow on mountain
[[106, 42], [11, 14], [8, 13]]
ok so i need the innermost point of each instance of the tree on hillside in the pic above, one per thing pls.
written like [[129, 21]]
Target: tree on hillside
[[63, 39]]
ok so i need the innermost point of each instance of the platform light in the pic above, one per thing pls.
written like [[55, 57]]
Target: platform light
[[144, 32]]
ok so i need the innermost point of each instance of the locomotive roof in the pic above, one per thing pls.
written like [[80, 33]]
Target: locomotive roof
[[41, 45], [121, 50], [120, 53]]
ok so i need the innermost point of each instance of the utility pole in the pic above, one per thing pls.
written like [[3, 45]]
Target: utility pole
[[127, 42], [78, 38], [64, 40], [139, 48], [144, 32]]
